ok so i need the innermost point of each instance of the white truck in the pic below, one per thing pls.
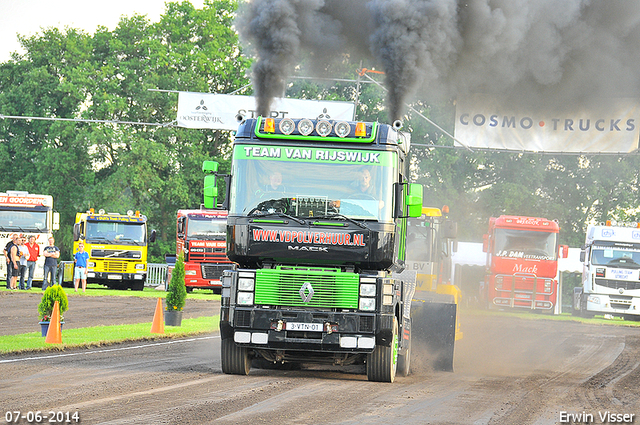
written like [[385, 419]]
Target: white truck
[[28, 214], [611, 272]]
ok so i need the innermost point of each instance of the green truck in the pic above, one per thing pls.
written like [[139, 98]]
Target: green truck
[[317, 227]]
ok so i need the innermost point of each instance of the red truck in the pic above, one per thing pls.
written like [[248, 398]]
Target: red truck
[[522, 263], [201, 235]]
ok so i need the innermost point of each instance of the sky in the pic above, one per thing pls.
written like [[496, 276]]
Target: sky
[[28, 17]]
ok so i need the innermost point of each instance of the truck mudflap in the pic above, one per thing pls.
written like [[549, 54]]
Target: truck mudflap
[[433, 329]]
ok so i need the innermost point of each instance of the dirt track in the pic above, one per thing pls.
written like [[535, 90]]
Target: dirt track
[[508, 371], [19, 310]]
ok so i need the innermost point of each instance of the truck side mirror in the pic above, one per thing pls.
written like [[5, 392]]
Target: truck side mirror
[[152, 236], [210, 191], [414, 200], [564, 251], [76, 232], [450, 229], [485, 243], [583, 255], [56, 221]]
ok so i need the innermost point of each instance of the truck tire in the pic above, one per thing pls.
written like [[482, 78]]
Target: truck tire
[[404, 360], [137, 285], [235, 360], [382, 363]]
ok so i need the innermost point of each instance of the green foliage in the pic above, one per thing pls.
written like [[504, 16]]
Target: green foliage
[[52, 294], [177, 293], [156, 169]]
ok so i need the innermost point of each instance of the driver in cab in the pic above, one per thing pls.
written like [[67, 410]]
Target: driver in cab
[[364, 182], [364, 187]]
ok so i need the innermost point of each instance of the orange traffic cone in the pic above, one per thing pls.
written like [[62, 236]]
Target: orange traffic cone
[[54, 336], [157, 327]]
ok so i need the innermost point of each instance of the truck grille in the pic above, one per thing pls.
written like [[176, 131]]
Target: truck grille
[[331, 288], [617, 284], [213, 271], [115, 266]]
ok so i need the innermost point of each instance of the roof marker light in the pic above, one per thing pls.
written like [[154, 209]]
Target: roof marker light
[[361, 130], [342, 129], [269, 125], [305, 127], [608, 223], [287, 126], [323, 128]]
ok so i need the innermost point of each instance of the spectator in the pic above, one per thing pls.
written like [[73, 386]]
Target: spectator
[[7, 256], [14, 255], [24, 256], [81, 258], [51, 254], [34, 253]]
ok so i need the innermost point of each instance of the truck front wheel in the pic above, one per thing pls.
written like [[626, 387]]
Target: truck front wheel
[[382, 363], [235, 359], [404, 360]]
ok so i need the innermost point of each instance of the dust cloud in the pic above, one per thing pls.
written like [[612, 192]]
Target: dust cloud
[[544, 52]]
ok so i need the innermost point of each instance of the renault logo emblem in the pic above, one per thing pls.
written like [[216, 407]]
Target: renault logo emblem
[[306, 292]]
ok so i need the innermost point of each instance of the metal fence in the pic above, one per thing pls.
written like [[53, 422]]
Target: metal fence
[[156, 274]]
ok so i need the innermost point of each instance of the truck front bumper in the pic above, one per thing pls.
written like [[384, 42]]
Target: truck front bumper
[[347, 332]]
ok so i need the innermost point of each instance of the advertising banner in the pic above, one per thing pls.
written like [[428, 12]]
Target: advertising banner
[[485, 121], [219, 111]]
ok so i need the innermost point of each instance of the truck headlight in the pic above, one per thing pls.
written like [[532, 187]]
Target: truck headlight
[[189, 272], [368, 290], [91, 264], [245, 298], [245, 284], [367, 304], [139, 266], [593, 299]]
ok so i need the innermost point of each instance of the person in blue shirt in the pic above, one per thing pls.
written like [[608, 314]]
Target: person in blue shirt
[[80, 258]]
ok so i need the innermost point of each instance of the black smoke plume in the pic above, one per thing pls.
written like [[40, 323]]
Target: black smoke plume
[[538, 52]]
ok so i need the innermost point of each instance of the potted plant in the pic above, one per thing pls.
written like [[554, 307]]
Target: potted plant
[[177, 294], [45, 309]]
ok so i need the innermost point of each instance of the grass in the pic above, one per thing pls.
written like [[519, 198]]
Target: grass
[[104, 335]]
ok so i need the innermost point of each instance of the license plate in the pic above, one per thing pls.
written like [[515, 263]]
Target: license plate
[[114, 276], [309, 327]]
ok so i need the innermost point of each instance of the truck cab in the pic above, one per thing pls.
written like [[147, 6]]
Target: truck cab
[[317, 225], [201, 236], [611, 272]]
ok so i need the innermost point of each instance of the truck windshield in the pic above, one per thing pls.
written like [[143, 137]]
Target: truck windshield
[[312, 182], [615, 257], [420, 241], [116, 233], [12, 220], [525, 244], [207, 228]]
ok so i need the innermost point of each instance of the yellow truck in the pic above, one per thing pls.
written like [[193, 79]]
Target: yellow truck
[[117, 247], [431, 240]]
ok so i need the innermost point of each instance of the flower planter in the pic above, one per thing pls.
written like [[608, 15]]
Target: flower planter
[[44, 327], [173, 317]]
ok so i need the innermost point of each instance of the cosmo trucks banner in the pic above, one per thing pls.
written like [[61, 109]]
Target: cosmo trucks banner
[[218, 111], [487, 122]]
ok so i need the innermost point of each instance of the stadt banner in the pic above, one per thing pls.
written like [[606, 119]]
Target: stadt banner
[[485, 121], [219, 111]]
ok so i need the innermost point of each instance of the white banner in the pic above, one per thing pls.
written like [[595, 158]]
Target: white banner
[[218, 111], [487, 122]]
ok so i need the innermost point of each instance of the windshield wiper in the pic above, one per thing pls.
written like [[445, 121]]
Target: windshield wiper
[[104, 240], [279, 214], [338, 215]]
